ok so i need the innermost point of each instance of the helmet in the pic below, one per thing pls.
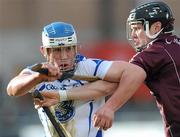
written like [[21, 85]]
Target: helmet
[[60, 36], [149, 13]]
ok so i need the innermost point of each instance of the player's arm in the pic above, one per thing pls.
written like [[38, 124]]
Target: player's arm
[[22, 83], [89, 91], [26, 80], [130, 78], [92, 90]]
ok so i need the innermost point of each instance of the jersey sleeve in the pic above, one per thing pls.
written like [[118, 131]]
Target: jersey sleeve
[[93, 67]]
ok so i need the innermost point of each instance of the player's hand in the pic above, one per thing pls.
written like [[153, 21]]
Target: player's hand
[[53, 72], [49, 99], [103, 118]]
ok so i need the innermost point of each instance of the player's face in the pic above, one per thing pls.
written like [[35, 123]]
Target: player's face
[[138, 35], [63, 57]]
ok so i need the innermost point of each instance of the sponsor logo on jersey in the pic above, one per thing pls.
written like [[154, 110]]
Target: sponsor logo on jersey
[[51, 87]]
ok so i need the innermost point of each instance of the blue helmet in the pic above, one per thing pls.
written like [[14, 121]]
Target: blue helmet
[[58, 34], [59, 38]]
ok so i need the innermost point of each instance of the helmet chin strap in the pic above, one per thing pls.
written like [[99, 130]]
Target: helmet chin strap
[[148, 33]]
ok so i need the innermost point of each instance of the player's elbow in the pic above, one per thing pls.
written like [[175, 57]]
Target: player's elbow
[[133, 76], [11, 90]]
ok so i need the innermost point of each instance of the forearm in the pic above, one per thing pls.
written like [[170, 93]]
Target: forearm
[[87, 92], [91, 90], [21, 84], [130, 80]]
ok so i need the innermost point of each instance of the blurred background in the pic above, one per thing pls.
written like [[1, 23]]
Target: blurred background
[[100, 26]]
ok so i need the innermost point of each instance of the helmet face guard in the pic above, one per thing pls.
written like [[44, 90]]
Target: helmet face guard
[[60, 45], [130, 29], [63, 56]]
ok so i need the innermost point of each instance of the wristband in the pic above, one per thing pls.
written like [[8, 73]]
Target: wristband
[[63, 95]]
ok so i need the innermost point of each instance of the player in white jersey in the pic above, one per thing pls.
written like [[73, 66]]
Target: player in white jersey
[[60, 50]]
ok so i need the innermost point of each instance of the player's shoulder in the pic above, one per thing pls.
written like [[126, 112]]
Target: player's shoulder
[[84, 59], [80, 57], [154, 47], [163, 41]]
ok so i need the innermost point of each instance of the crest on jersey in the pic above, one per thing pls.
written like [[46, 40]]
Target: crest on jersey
[[65, 111]]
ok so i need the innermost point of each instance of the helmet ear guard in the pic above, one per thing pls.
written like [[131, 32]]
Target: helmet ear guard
[[147, 27]]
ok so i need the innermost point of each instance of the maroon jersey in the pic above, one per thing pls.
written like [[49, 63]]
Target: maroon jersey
[[161, 62]]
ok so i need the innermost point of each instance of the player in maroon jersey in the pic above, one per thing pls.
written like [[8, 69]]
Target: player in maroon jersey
[[150, 28]]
